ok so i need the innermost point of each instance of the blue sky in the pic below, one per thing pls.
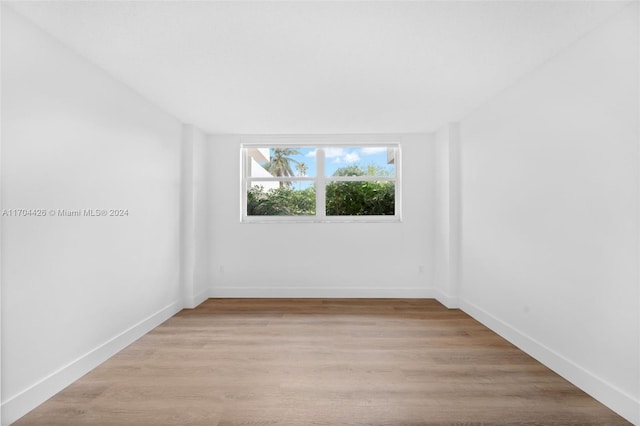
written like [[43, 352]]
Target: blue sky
[[336, 157]]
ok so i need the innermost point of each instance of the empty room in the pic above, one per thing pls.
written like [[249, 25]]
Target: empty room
[[320, 213]]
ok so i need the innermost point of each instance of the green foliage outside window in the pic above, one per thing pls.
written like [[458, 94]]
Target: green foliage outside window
[[358, 198], [283, 201]]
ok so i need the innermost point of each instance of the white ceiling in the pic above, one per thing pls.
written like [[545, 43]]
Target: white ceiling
[[318, 67]]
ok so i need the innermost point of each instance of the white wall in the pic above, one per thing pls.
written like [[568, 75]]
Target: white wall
[[322, 259], [550, 213], [202, 193], [447, 215], [77, 289], [193, 218]]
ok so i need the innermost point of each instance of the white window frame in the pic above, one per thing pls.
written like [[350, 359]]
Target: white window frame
[[321, 142]]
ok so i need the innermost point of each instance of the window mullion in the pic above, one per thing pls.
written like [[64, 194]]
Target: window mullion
[[281, 179], [361, 179], [321, 210]]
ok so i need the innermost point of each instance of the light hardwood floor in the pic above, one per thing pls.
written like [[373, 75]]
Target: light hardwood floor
[[321, 362]]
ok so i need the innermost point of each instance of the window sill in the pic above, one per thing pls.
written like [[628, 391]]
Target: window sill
[[314, 219]]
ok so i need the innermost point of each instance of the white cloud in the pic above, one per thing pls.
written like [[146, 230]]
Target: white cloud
[[338, 155], [372, 150], [334, 152], [351, 157]]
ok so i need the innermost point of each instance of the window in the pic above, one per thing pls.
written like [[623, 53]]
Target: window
[[317, 182]]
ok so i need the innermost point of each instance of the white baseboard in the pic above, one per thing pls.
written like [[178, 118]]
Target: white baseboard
[[25, 401], [197, 299], [621, 402], [449, 302], [322, 292], [201, 297]]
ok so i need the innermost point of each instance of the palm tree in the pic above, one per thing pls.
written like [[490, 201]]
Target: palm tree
[[302, 169], [280, 163]]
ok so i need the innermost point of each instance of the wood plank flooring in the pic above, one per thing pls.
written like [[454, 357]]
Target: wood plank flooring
[[321, 362]]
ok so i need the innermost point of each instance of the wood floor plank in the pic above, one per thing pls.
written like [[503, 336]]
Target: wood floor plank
[[376, 362]]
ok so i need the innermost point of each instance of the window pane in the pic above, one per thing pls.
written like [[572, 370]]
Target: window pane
[[360, 198], [360, 161], [297, 198], [281, 161]]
